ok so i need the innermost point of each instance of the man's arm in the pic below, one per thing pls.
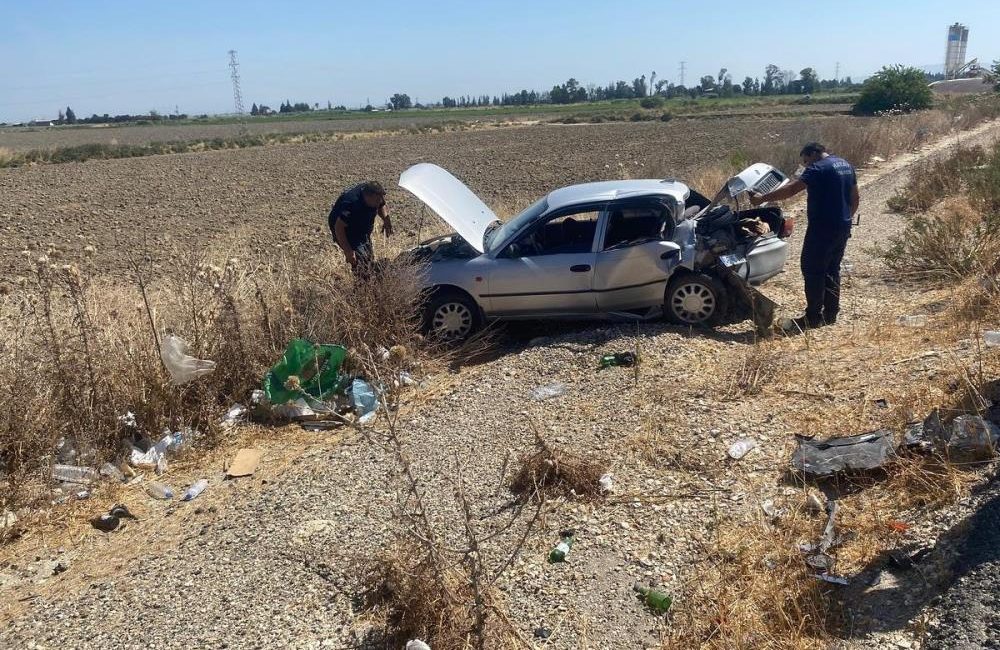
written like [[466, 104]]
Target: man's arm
[[386, 223], [780, 194], [855, 200], [340, 233]]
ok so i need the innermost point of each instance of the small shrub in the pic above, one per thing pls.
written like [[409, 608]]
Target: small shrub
[[554, 472], [666, 116], [651, 102], [894, 88]]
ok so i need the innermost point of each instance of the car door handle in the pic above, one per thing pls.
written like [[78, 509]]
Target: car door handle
[[580, 268]]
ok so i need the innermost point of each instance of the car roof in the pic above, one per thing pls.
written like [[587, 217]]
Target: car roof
[[610, 190]]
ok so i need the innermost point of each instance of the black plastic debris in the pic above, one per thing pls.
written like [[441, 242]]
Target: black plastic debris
[[823, 458], [542, 632], [972, 438], [969, 438]]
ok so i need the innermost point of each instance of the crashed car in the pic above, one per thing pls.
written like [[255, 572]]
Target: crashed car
[[632, 249]]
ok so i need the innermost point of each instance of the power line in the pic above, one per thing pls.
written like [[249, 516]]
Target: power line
[[234, 66]]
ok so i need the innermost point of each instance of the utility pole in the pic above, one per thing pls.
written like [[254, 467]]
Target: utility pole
[[234, 68], [683, 64], [652, 83]]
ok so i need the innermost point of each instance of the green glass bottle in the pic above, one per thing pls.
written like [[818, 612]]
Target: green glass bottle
[[657, 601], [625, 359], [559, 553]]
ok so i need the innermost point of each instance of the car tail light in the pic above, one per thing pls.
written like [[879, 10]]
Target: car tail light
[[787, 227]]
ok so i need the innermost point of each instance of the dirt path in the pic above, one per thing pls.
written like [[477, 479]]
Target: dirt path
[[269, 561]]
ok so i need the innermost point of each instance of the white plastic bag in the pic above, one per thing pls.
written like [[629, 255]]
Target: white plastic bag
[[181, 365]]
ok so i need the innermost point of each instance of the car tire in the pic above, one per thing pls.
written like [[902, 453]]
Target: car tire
[[451, 317], [695, 299]]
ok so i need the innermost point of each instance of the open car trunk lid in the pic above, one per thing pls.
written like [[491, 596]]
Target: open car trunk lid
[[759, 177], [451, 200]]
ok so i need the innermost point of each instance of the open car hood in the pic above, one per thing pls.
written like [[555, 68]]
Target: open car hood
[[759, 177], [451, 200]]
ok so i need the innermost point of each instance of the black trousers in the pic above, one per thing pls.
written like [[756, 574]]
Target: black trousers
[[822, 253]]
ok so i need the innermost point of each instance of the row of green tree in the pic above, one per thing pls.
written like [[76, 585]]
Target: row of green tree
[[69, 117]]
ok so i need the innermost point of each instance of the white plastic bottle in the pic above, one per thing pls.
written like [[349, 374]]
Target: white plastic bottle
[[196, 488]]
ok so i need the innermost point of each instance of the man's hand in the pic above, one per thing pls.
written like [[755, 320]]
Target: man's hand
[[351, 256], [386, 226], [756, 199]]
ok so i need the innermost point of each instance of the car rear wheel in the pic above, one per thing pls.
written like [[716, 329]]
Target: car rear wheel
[[451, 317], [695, 299]]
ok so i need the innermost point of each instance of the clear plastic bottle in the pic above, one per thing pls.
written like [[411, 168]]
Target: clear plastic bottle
[[196, 488], [159, 491], [112, 472], [74, 474]]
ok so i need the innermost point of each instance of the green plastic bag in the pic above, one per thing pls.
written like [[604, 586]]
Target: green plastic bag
[[310, 371]]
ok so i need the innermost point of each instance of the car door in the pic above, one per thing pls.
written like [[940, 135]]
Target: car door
[[548, 269], [635, 257]]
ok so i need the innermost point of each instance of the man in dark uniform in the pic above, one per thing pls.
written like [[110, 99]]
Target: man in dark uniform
[[352, 220], [831, 203]]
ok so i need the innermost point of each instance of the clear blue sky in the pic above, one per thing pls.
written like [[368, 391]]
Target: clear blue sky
[[130, 57]]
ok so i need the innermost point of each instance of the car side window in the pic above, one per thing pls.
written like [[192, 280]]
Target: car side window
[[566, 234], [632, 224]]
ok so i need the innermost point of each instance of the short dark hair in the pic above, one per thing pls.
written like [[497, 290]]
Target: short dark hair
[[373, 187], [811, 148]]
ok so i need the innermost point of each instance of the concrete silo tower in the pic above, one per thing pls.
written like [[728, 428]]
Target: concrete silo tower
[[954, 57]]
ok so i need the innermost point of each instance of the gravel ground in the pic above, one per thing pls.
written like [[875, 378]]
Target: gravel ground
[[269, 561]]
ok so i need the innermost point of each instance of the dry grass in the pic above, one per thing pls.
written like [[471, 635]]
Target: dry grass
[[550, 472], [408, 598], [755, 590], [760, 365], [76, 352]]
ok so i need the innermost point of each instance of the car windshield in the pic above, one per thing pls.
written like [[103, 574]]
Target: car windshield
[[504, 232]]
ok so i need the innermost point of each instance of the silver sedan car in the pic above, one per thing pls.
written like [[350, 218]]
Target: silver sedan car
[[632, 249]]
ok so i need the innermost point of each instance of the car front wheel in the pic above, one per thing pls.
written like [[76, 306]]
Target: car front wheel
[[451, 317], [695, 299]]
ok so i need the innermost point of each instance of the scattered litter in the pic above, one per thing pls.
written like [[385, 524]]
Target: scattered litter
[[182, 367], [196, 488], [236, 414], [874, 160], [294, 410], [417, 644], [406, 379], [323, 425], [112, 520], [825, 458], [74, 474], [656, 600], [306, 371], [244, 464], [156, 455], [542, 632], [907, 558], [898, 526], [364, 400], [770, 509], [741, 448], [972, 438], [820, 561], [112, 472], [991, 338], [548, 391], [622, 359], [814, 503], [82, 495], [160, 491], [837, 580], [128, 421], [367, 418], [7, 519], [607, 482], [561, 550], [912, 321]]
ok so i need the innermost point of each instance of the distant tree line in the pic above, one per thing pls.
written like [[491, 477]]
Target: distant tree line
[[774, 81], [69, 117]]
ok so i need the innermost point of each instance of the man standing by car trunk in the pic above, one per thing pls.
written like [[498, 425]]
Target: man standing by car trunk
[[831, 203], [352, 220]]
